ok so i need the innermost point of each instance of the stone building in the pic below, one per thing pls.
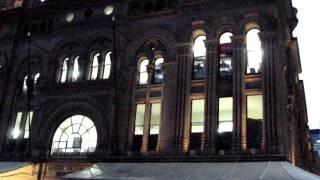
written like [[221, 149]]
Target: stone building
[[90, 81]]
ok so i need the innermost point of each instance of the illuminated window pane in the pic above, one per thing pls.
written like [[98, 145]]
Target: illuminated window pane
[[36, 78], [225, 115], [72, 138], [254, 121], [16, 129], [254, 52], [155, 118], [158, 76], [199, 48], [107, 66], [25, 85], [139, 123], [143, 78], [28, 125], [197, 116], [95, 66], [75, 73], [64, 70]]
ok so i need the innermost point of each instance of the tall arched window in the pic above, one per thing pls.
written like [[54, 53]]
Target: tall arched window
[[158, 76], [64, 70], [199, 56], [254, 52], [25, 85], [77, 135], [225, 67], [95, 66], [75, 71], [107, 66], [143, 75]]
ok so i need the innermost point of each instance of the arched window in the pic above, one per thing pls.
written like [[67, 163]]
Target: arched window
[[225, 67], [143, 76], [199, 56], [158, 76], [77, 135], [107, 66], [95, 66], [75, 71], [36, 79], [64, 70], [254, 52], [25, 85]]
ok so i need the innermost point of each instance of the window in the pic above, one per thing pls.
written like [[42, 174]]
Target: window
[[254, 52], [158, 76], [36, 79], [154, 126], [77, 135], [254, 121], [64, 70], [25, 85], [143, 75], [75, 71], [22, 118], [95, 66], [225, 114], [199, 56], [197, 123], [107, 66], [225, 67]]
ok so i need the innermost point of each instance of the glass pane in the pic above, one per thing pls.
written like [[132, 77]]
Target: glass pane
[[107, 66], [158, 76], [28, 124], [64, 70], [75, 73], [225, 114], [254, 52], [143, 78], [197, 116], [198, 67], [155, 118], [77, 119], [36, 78], [25, 86], [139, 121], [95, 67], [255, 107], [225, 38], [199, 48], [16, 129]]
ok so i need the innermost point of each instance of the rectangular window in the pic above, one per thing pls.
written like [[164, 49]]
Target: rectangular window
[[225, 114], [154, 125], [198, 67], [16, 129], [254, 121], [138, 127], [28, 124], [197, 123]]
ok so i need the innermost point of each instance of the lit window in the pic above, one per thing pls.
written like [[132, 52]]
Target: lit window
[[107, 66], [254, 52], [25, 85], [64, 70], [197, 123], [77, 135], [143, 78], [225, 67], [225, 115], [36, 78], [254, 121], [16, 129], [75, 72], [158, 76], [28, 125], [139, 123], [95, 66], [199, 56], [155, 118]]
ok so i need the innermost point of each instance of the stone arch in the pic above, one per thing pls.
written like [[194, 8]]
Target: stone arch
[[62, 110], [263, 20]]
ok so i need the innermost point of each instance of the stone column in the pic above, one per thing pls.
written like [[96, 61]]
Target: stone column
[[239, 100], [184, 71], [211, 100], [168, 108], [147, 114], [269, 129]]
